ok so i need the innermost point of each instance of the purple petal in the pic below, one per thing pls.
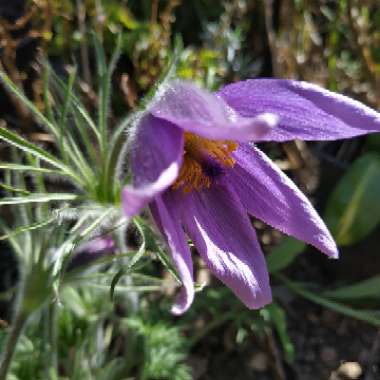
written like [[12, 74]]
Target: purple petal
[[222, 233], [91, 251], [166, 212], [306, 111], [156, 157], [98, 244], [268, 194], [207, 115]]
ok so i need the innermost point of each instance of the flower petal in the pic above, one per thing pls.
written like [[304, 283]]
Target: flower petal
[[91, 251], [98, 244], [222, 233], [306, 111], [207, 115], [268, 194], [168, 221], [156, 157]]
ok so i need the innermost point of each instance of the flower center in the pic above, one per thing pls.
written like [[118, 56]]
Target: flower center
[[204, 161]]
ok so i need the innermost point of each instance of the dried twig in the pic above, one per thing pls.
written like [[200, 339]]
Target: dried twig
[[278, 366]]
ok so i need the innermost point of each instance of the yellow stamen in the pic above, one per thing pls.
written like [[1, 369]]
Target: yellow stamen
[[197, 150]]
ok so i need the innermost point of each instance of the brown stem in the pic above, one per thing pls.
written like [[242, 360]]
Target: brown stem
[[10, 347]]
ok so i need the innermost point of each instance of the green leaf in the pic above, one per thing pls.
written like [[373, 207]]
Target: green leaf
[[127, 288], [353, 209], [30, 227], [30, 105], [19, 142], [123, 15], [14, 242], [150, 239], [71, 299], [38, 198], [79, 161], [115, 281], [9, 188], [46, 94], [75, 147], [83, 234], [104, 76], [369, 316], [62, 121], [37, 288], [71, 146], [368, 288], [62, 88], [19, 167], [284, 254], [112, 370], [124, 271], [69, 88], [104, 109]]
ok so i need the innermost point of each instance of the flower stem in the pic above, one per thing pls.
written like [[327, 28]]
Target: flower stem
[[11, 344], [54, 336], [132, 297]]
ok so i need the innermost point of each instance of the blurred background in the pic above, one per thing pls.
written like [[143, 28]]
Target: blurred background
[[324, 323]]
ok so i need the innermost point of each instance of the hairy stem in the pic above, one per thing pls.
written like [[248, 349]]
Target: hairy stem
[[131, 297]]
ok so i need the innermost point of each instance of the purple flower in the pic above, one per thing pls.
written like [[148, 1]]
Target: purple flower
[[193, 164]]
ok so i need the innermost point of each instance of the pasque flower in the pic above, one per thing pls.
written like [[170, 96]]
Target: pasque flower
[[194, 162]]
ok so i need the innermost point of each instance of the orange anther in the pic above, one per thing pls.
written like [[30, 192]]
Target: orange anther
[[197, 149]]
